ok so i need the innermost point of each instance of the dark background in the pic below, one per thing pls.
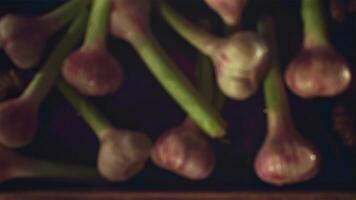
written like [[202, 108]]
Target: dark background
[[141, 104]]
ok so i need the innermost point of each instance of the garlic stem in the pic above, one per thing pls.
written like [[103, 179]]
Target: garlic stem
[[88, 112], [274, 91], [178, 86], [45, 78], [62, 15], [200, 39], [45, 169], [98, 22], [315, 32]]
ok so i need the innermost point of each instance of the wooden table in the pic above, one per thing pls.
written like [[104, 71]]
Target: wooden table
[[111, 195]]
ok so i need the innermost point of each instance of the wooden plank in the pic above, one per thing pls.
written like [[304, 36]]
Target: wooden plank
[[101, 195]]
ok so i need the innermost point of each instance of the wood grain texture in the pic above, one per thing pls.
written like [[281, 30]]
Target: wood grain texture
[[101, 195]]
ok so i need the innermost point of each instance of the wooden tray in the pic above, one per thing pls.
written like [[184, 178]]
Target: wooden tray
[[98, 195], [153, 111]]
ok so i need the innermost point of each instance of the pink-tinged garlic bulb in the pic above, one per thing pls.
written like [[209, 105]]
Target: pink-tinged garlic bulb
[[122, 154], [24, 38], [285, 156], [18, 122], [240, 64], [319, 70], [229, 10], [240, 59], [18, 116], [14, 38], [128, 24], [13, 166], [185, 151], [91, 69]]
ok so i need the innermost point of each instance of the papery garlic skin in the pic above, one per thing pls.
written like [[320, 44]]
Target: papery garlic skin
[[93, 71], [24, 52], [184, 151], [285, 156], [240, 64], [18, 122], [125, 22], [318, 72], [122, 154], [229, 10], [282, 163]]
